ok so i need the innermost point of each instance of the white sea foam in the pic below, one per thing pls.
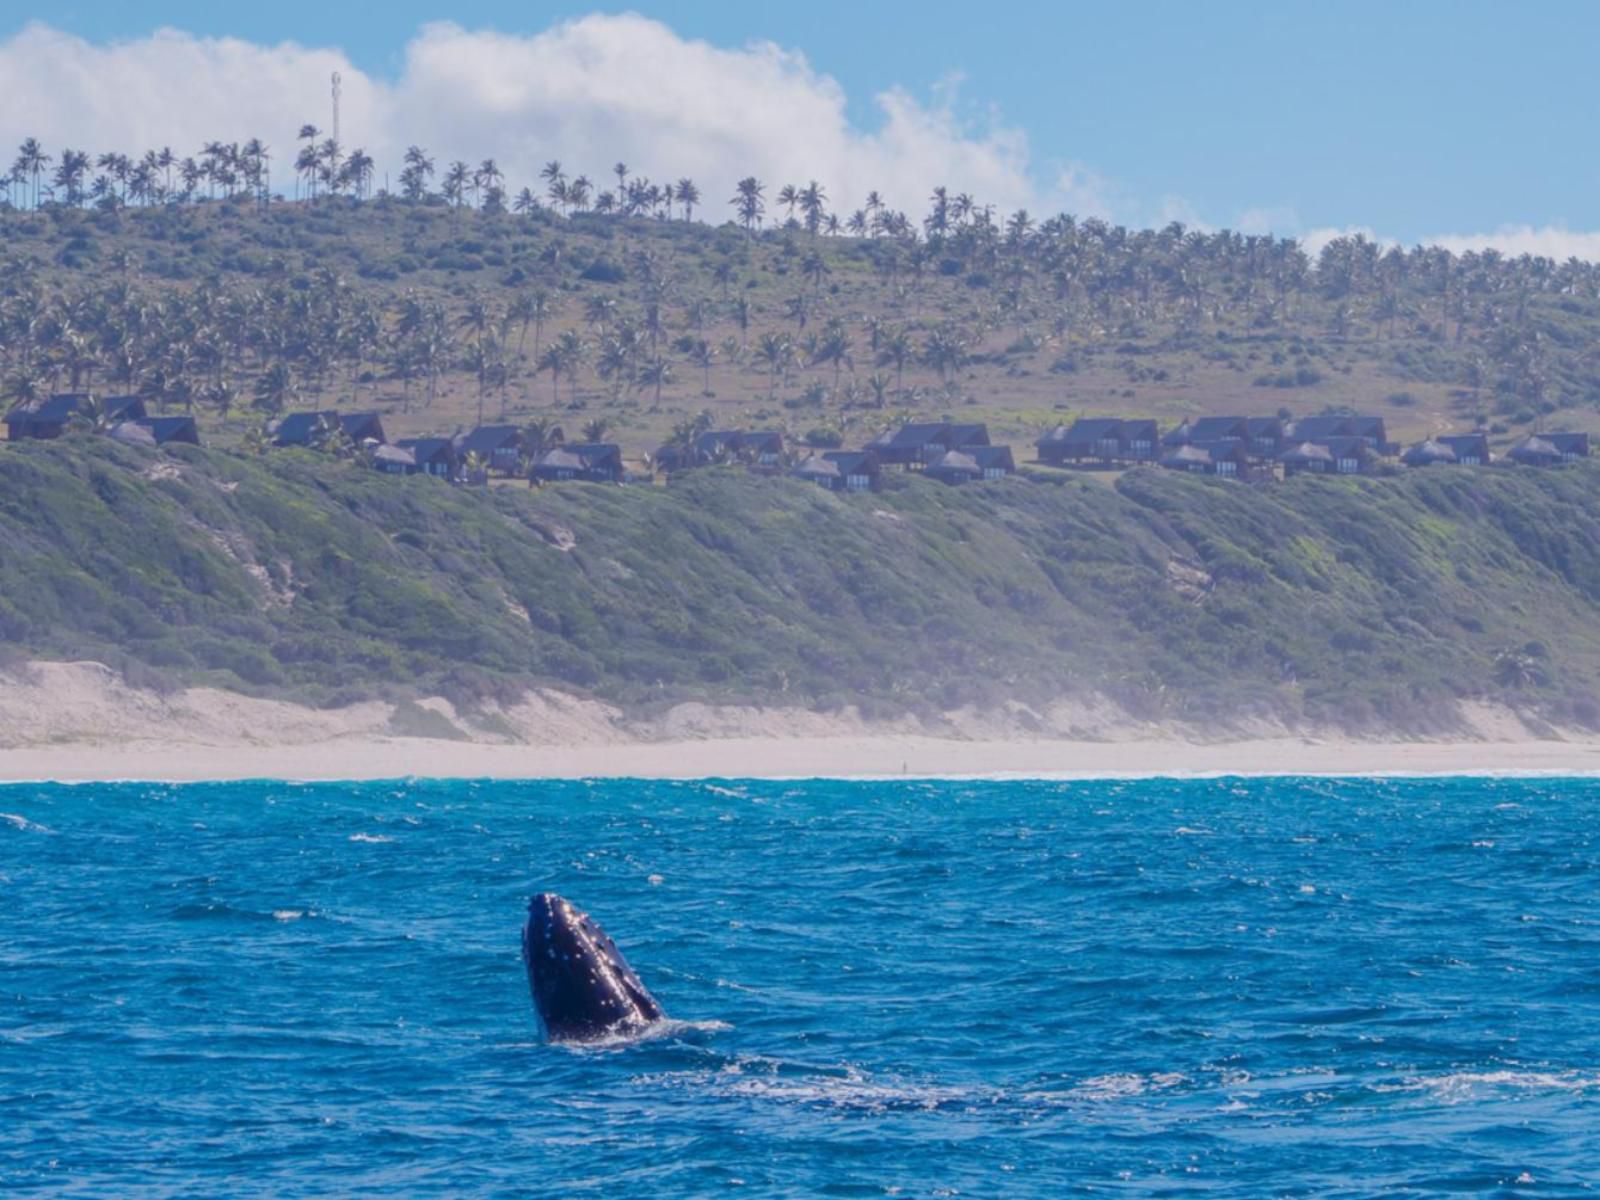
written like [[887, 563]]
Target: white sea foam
[[1461, 1086], [17, 821], [370, 837], [768, 1081], [667, 1027]]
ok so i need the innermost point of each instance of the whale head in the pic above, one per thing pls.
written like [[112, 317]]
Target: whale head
[[583, 988]]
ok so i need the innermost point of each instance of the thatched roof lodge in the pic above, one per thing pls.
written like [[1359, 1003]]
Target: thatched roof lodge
[[1471, 449], [429, 456], [972, 463], [1227, 458], [841, 470], [1549, 449], [499, 446], [307, 428], [916, 445], [1431, 453], [1103, 439], [760, 448], [157, 431], [1326, 429], [49, 417], [590, 462], [1308, 458]]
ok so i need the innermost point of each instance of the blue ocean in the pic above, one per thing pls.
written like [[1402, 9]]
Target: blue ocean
[[911, 988]]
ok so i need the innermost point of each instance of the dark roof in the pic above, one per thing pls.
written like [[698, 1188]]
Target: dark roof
[[1568, 443], [1214, 429], [1317, 429], [1346, 446], [1465, 444], [1178, 436], [711, 441], [363, 424], [1085, 429], [1431, 451], [56, 409], [760, 438], [486, 439], [170, 429], [914, 436], [427, 449], [852, 462], [975, 434], [1258, 427], [115, 406], [296, 428], [1311, 429]]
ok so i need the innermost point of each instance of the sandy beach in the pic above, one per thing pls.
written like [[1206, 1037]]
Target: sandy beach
[[82, 722], [786, 758]]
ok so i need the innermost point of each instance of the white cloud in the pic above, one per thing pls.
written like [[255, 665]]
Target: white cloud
[[592, 92], [588, 92], [1550, 241]]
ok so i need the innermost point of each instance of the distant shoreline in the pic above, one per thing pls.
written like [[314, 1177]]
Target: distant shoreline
[[844, 758]]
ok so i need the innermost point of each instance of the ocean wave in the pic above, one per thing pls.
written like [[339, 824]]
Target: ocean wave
[[1458, 1087], [18, 821], [850, 1090], [373, 838]]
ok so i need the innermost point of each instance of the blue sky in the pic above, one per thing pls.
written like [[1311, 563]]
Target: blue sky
[[1409, 119]]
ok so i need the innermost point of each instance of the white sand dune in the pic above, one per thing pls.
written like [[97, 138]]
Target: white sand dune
[[81, 722]]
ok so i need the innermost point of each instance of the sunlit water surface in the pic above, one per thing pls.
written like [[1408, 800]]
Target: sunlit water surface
[[1235, 988]]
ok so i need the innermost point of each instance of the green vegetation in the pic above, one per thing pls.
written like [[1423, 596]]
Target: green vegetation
[[440, 309], [1366, 603]]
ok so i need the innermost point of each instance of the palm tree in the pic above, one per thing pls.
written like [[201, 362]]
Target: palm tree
[[555, 182], [748, 202], [897, 349], [455, 183], [788, 196], [811, 200], [31, 163], [945, 350], [703, 355], [274, 388], [776, 350], [596, 430], [656, 373], [688, 196], [414, 178]]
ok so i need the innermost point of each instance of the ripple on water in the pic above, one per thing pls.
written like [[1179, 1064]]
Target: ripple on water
[[1241, 987]]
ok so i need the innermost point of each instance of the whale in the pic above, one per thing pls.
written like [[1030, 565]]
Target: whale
[[583, 988]]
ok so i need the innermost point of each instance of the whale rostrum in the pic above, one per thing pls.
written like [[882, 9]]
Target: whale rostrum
[[583, 988]]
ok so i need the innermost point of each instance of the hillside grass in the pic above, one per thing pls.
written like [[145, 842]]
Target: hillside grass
[[1368, 604]]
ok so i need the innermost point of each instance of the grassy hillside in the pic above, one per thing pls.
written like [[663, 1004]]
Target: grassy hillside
[[1361, 602], [433, 314]]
